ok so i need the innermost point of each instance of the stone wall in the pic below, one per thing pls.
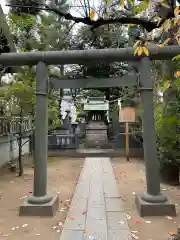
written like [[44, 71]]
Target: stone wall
[[5, 154]]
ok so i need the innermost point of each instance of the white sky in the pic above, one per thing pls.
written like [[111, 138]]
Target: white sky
[[73, 11], [5, 9]]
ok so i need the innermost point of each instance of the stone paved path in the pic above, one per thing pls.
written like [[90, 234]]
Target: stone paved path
[[97, 195]]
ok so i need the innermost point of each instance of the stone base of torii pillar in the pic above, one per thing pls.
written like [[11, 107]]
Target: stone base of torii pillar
[[40, 209]]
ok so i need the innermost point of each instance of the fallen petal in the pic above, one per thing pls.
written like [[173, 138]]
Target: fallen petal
[[121, 222], [13, 228], [25, 225], [171, 234], [138, 222], [60, 224], [147, 221], [134, 231], [86, 230], [134, 236], [128, 217], [133, 193], [62, 209], [168, 217], [54, 227], [91, 237], [5, 235], [38, 234], [72, 217], [83, 213]]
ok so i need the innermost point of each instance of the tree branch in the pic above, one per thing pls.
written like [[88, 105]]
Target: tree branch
[[148, 25]]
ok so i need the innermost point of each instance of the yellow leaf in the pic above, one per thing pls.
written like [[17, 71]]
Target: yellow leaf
[[176, 21], [166, 41], [140, 51], [123, 4], [161, 45], [145, 50], [135, 51], [92, 14], [166, 25], [136, 43], [176, 11], [131, 25], [166, 85], [177, 74], [86, 230]]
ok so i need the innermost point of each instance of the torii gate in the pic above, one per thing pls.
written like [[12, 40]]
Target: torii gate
[[40, 203]]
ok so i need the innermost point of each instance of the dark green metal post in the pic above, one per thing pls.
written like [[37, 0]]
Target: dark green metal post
[[41, 137], [152, 165]]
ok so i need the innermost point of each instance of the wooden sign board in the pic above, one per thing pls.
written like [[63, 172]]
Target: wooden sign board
[[127, 114]]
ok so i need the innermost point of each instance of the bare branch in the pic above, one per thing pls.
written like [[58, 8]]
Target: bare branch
[[146, 24]]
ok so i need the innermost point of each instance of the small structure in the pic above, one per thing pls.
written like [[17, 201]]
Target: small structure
[[97, 116], [127, 115]]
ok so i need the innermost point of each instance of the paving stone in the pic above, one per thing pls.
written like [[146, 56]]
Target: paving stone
[[96, 212], [96, 191], [97, 166], [97, 229], [110, 190], [106, 166], [109, 177], [82, 190], [117, 221], [97, 200], [113, 204], [72, 235], [119, 235], [81, 202], [77, 224], [76, 210]]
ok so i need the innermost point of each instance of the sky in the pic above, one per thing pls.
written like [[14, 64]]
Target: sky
[[73, 11], [3, 3]]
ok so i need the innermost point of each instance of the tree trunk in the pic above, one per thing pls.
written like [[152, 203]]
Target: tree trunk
[[20, 164]]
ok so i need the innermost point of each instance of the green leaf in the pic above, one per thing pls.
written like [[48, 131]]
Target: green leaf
[[140, 7], [131, 2], [108, 1], [176, 58]]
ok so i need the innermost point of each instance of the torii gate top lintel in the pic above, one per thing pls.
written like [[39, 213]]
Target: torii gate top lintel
[[83, 56]]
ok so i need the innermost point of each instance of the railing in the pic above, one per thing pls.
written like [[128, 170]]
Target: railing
[[12, 126], [58, 141]]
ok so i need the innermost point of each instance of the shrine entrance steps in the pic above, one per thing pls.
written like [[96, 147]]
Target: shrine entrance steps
[[95, 212]]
